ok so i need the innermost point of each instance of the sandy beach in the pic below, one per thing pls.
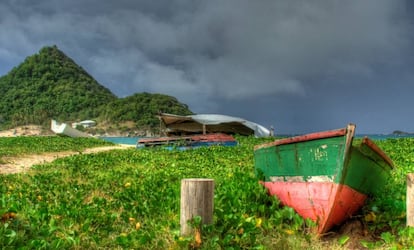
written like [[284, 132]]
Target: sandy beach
[[28, 130], [22, 163]]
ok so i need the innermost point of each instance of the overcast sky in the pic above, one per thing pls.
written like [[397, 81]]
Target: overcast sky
[[298, 65]]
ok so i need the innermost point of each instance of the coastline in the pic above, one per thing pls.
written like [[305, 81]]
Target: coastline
[[22, 163], [28, 130], [37, 130]]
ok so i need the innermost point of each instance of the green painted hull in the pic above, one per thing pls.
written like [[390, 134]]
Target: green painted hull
[[324, 176], [361, 166], [366, 172], [312, 158]]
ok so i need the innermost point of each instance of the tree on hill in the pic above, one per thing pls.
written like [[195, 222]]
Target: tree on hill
[[50, 85], [142, 108]]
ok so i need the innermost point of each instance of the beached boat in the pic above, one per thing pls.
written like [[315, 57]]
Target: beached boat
[[324, 176], [191, 141], [211, 123], [66, 129]]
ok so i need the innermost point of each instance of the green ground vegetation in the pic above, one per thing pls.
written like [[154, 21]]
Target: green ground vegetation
[[129, 199], [15, 146]]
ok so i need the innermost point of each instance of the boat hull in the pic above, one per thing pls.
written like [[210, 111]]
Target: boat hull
[[186, 142], [326, 203], [66, 130], [323, 176]]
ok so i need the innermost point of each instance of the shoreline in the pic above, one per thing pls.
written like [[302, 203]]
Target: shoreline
[[28, 130], [37, 130], [22, 163]]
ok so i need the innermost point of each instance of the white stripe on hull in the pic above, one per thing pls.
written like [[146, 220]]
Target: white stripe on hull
[[318, 178]]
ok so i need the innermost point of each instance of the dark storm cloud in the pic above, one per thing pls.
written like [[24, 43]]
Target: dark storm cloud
[[217, 55]]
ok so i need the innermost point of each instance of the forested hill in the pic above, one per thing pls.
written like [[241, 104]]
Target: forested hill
[[50, 85]]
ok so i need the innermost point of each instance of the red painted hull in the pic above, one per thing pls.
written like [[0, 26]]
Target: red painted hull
[[326, 203], [324, 176], [216, 138]]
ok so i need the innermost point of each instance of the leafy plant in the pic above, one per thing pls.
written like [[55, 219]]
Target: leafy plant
[[130, 199], [12, 146]]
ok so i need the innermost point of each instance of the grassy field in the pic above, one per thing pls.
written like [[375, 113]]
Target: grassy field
[[129, 199], [15, 146]]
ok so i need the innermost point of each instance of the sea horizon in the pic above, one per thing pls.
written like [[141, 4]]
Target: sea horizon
[[133, 140]]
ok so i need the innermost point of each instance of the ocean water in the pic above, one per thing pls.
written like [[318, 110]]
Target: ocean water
[[384, 137], [133, 140], [122, 140]]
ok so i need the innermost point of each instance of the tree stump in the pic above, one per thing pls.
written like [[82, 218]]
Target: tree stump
[[196, 200], [410, 200]]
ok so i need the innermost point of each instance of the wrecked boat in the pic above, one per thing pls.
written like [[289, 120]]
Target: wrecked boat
[[65, 129], [202, 130], [185, 142], [324, 176]]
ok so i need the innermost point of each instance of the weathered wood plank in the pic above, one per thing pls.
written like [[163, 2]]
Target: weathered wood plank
[[196, 200], [410, 200]]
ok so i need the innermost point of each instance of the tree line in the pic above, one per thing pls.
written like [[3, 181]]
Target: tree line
[[50, 85]]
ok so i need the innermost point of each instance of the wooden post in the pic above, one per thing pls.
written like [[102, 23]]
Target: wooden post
[[196, 200], [410, 200], [204, 129]]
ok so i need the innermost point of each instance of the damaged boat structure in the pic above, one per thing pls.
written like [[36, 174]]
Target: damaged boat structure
[[202, 130], [65, 129]]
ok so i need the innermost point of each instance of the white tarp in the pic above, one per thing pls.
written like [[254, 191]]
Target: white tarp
[[223, 121]]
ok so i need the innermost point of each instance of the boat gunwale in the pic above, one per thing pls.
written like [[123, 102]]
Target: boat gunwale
[[213, 138], [304, 138], [378, 151]]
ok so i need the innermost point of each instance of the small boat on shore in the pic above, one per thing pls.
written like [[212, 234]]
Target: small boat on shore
[[192, 131], [210, 123], [324, 176], [66, 129], [190, 141]]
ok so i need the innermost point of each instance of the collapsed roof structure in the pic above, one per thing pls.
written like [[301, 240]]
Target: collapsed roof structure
[[211, 123]]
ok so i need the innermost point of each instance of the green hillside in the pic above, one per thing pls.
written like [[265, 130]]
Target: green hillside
[[50, 85], [142, 108]]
